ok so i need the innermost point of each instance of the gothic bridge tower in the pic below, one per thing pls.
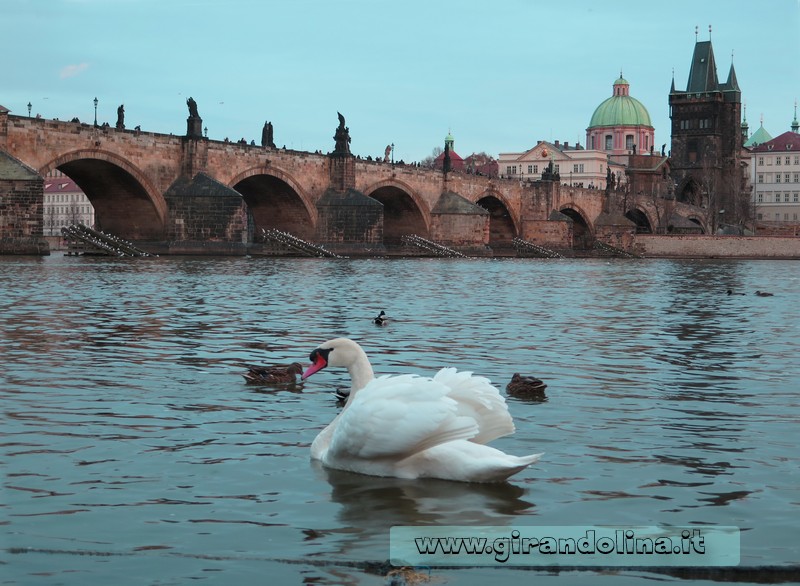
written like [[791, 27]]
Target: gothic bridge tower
[[706, 152]]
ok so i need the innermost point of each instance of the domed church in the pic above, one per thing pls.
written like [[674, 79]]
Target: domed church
[[621, 124]]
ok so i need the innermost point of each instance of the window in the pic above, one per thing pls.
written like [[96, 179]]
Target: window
[[786, 178], [760, 216], [761, 161], [797, 159], [530, 169], [796, 178], [580, 168], [609, 142], [761, 178], [777, 198], [629, 141], [556, 169], [777, 217], [508, 170], [786, 217], [786, 198], [760, 198], [536, 168], [787, 159], [777, 177], [778, 160], [795, 196], [514, 170]]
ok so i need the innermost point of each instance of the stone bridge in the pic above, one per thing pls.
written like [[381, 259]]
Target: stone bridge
[[189, 194]]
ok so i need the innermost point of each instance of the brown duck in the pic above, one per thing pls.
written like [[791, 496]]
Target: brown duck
[[273, 374], [525, 387]]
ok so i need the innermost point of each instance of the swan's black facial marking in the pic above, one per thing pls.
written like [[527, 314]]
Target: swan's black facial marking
[[320, 354], [319, 360]]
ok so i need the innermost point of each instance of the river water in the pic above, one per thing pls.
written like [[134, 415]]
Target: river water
[[133, 451]]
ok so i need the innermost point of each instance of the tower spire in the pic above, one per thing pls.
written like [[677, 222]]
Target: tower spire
[[795, 123]]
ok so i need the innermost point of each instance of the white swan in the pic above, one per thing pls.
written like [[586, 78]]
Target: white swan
[[410, 426]]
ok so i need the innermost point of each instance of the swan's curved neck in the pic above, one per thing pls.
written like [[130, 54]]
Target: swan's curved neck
[[360, 372]]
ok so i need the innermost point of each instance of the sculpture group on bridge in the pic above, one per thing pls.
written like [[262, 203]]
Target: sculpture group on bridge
[[121, 117], [192, 108], [342, 138], [266, 136]]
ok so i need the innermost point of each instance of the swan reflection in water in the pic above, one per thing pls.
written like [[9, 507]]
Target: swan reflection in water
[[371, 505]]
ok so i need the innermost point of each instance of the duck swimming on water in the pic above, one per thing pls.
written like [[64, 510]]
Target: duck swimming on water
[[273, 374], [763, 294], [411, 426], [526, 387], [381, 319]]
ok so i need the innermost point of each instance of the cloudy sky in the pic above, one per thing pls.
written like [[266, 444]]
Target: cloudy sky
[[499, 74]]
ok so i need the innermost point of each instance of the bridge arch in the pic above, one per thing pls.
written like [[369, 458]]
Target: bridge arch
[[125, 201], [404, 211], [275, 199], [503, 226], [582, 232], [644, 225]]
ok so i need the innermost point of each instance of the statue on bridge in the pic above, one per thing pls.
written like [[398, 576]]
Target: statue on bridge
[[121, 117], [342, 138], [192, 108], [266, 136], [194, 124]]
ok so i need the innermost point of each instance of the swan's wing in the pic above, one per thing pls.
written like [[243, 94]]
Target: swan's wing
[[479, 399], [398, 416]]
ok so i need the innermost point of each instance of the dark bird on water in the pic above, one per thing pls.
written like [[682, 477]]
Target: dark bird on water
[[730, 292], [273, 374], [381, 319], [525, 387], [763, 294]]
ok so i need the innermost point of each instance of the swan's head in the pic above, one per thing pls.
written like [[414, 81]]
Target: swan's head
[[337, 352]]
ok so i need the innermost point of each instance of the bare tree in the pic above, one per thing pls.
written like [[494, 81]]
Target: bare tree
[[428, 161]]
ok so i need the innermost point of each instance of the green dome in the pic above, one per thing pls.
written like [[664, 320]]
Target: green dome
[[620, 109]]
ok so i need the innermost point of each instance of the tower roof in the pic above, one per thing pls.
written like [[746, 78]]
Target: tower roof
[[703, 74], [620, 109], [760, 136]]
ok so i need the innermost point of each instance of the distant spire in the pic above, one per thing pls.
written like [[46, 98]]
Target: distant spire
[[795, 123], [696, 31], [709, 32]]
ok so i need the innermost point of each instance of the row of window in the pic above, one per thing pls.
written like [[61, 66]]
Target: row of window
[[701, 123], [786, 158], [64, 210], [59, 222], [777, 217], [765, 197], [512, 169], [64, 197], [768, 177]]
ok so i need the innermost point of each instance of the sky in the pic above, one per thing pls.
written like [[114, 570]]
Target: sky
[[499, 75]]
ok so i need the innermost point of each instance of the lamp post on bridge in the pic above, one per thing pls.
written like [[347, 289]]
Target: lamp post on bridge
[[29, 109], [95, 111], [392, 155]]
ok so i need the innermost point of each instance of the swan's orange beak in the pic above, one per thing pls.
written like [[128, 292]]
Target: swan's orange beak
[[318, 362]]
